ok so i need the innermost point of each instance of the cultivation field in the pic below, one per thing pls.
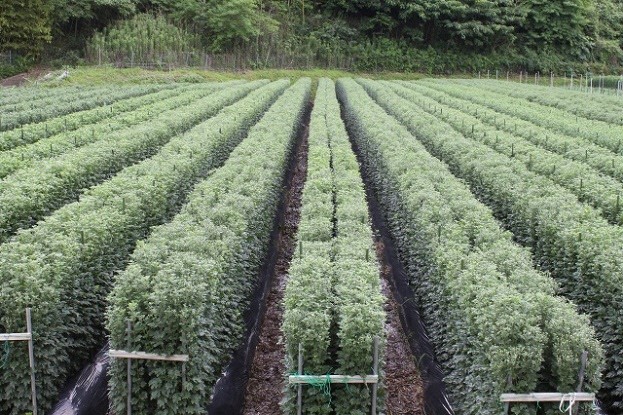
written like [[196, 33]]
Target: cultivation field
[[471, 229]]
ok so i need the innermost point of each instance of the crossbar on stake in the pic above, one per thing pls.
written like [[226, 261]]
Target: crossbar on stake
[[129, 356], [306, 379], [536, 397], [122, 354], [300, 379], [14, 337], [547, 397]]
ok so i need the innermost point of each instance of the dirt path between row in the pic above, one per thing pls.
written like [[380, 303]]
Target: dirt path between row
[[266, 378], [402, 377], [267, 375]]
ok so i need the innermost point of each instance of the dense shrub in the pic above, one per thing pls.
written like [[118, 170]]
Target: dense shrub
[[569, 239]]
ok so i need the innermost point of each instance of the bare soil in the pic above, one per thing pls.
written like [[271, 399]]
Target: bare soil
[[22, 78], [267, 376], [404, 385], [405, 390]]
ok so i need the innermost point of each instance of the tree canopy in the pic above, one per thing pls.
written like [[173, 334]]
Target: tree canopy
[[582, 29]]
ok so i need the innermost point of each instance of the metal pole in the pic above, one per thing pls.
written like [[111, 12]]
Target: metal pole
[[376, 372], [31, 357], [299, 396]]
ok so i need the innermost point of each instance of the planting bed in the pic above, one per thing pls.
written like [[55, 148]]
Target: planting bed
[[471, 227]]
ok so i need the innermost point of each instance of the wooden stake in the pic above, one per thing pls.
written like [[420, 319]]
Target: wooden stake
[[27, 336], [31, 357], [299, 396], [583, 361], [509, 385], [129, 374], [375, 367]]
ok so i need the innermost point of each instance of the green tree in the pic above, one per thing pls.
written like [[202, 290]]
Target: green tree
[[74, 21], [24, 26], [609, 30], [67, 11], [224, 24], [564, 25], [473, 23], [232, 22]]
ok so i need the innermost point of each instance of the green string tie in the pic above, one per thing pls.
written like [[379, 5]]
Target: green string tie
[[324, 385]]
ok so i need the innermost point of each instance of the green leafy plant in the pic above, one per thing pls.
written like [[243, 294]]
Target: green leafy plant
[[190, 282], [133, 98], [73, 100], [31, 193], [569, 239], [333, 298], [576, 101], [481, 124], [94, 125], [144, 40], [63, 268], [489, 313]]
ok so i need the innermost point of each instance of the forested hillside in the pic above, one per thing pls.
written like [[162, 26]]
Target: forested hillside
[[430, 35]]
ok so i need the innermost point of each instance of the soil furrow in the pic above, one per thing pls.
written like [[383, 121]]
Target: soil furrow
[[267, 376], [402, 377]]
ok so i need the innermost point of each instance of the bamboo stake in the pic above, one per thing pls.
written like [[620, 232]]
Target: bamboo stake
[[376, 372], [299, 396], [31, 357]]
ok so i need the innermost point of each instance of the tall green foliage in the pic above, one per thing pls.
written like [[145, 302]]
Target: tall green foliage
[[565, 24], [577, 28], [333, 296], [72, 11], [189, 284], [231, 22], [24, 26], [488, 312], [398, 35], [145, 39], [609, 30], [223, 24]]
